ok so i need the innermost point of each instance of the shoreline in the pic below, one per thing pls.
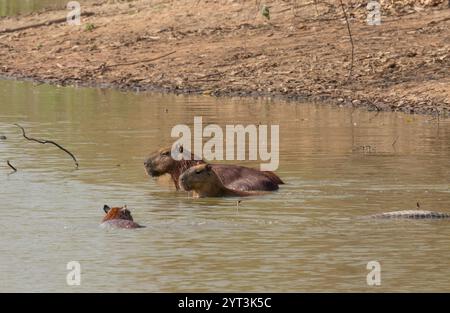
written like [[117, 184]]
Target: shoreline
[[340, 102], [253, 95], [238, 57]]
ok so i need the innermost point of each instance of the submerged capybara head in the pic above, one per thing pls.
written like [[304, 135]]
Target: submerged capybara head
[[199, 177], [117, 213]]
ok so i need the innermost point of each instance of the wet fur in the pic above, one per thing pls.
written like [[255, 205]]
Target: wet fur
[[234, 177], [118, 218], [246, 179], [204, 181]]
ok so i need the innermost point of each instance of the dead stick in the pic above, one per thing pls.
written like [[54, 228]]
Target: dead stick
[[141, 61], [11, 166], [43, 141], [55, 21], [395, 141], [351, 38]]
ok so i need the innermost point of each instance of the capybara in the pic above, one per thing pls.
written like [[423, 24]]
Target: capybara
[[118, 218], [203, 180], [233, 176]]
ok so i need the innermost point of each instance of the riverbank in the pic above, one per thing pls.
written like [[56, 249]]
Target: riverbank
[[228, 48]]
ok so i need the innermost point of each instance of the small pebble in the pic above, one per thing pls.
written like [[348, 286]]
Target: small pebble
[[2, 137]]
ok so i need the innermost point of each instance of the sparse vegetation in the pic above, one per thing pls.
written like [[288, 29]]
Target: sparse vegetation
[[89, 27], [304, 51]]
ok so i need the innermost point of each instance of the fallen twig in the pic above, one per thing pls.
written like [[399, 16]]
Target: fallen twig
[[315, 3], [351, 38], [395, 141], [376, 114], [139, 61], [11, 166], [206, 77], [55, 21], [43, 141], [432, 23]]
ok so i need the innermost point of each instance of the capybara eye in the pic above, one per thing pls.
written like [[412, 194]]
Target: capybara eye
[[167, 153]]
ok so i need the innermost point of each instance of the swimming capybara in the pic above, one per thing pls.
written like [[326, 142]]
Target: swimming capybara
[[233, 176], [203, 180], [118, 218]]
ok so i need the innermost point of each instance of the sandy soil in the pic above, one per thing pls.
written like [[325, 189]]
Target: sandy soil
[[227, 47]]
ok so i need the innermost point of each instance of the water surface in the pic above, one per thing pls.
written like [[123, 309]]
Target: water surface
[[14, 7], [338, 165]]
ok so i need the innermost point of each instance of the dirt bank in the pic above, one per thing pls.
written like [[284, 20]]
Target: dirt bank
[[229, 48]]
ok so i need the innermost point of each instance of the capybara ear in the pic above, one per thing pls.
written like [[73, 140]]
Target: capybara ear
[[106, 208], [181, 149]]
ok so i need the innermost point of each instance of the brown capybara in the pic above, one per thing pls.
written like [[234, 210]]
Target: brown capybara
[[233, 176], [203, 180], [118, 218]]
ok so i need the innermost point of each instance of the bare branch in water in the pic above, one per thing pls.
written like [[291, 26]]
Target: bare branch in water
[[11, 166], [395, 141], [43, 141]]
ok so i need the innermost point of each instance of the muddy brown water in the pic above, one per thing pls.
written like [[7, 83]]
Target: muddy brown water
[[305, 237], [9, 7]]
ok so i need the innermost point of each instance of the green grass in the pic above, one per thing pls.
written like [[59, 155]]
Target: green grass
[[89, 27]]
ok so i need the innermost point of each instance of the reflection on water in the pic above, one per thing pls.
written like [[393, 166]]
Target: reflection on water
[[12, 7], [306, 237]]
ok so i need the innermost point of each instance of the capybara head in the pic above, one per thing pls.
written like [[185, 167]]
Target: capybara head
[[199, 177], [161, 162], [117, 213]]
